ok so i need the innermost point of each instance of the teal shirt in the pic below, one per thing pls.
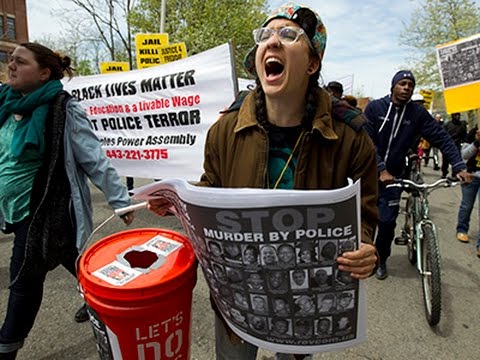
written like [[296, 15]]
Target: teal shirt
[[282, 142], [16, 175]]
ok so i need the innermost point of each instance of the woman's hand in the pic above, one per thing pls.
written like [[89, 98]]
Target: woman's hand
[[128, 217], [359, 263], [159, 206]]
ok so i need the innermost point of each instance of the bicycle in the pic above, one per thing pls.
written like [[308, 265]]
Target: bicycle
[[419, 234], [413, 166]]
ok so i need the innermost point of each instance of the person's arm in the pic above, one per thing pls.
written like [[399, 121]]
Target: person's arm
[[372, 130], [439, 137], [90, 157], [470, 150]]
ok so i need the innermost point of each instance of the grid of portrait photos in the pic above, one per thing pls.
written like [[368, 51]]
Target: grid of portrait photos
[[284, 290]]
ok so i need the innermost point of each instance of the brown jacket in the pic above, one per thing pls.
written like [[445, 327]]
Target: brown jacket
[[236, 155]]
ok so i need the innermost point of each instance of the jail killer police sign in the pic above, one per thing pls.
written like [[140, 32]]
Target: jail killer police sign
[[154, 49], [153, 122]]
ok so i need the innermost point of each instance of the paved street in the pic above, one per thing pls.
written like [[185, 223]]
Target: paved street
[[397, 328]]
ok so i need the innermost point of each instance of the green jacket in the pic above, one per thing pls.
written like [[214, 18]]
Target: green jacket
[[236, 155]]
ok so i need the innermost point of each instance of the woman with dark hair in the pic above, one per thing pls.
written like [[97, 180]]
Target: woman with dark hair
[[47, 152], [287, 134]]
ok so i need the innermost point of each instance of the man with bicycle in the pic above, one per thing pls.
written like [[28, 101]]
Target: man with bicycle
[[393, 122]]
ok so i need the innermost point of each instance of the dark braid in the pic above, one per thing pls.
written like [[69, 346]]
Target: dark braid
[[260, 106]]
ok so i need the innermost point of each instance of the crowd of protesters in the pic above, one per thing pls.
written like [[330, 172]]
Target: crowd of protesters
[[46, 142]]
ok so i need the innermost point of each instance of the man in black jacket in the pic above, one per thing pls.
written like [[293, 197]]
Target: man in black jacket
[[393, 122], [458, 132]]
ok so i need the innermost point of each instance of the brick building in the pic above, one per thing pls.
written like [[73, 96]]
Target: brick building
[[13, 26]]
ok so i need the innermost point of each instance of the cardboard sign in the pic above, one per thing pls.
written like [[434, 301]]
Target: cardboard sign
[[148, 52], [114, 66]]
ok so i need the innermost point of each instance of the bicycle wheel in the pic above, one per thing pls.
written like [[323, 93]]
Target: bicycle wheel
[[432, 292]]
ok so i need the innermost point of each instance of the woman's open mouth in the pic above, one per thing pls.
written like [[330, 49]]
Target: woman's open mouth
[[273, 68]]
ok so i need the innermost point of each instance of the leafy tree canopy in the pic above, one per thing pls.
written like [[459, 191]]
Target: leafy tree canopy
[[435, 22], [203, 24]]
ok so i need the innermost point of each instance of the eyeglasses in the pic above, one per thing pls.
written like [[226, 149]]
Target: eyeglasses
[[287, 35]]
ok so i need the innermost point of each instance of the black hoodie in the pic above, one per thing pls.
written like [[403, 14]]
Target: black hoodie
[[393, 129]]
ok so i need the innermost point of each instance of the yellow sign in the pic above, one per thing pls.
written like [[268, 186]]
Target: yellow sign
[[427, 98], [148, 53], [114, 66], [172, 52], [460, 73]]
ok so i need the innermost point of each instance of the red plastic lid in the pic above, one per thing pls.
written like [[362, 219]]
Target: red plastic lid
[[102, 275]]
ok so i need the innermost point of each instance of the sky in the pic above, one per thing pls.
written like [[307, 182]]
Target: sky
[[363, 50]]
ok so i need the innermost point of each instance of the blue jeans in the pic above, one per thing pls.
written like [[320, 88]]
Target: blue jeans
[[469, 193], [388, 208], [25, 294]]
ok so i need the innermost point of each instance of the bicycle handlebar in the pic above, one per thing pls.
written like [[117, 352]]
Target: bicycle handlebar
[[405, 183]]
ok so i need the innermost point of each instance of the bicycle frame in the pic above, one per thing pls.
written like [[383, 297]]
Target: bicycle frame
[[422, 241], [421, 217]]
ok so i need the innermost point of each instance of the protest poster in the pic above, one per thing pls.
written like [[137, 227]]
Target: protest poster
[[153, 122], [459, 65], [172, 52], [268, 257], [147, 52], [113, 66]]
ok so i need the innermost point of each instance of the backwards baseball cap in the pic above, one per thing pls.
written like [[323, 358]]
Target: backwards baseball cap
[[400, 75], [304, 17]]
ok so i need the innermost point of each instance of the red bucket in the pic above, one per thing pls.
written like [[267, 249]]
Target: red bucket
[[138, 286]]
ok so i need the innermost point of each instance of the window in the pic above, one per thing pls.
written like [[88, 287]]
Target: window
[[11, 31]]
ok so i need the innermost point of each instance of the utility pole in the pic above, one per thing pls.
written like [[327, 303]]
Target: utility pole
[[162, 17]]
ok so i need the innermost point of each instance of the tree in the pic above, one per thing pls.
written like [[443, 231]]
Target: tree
[[71, 44], [203, 24], [436, 22], [109, 24]]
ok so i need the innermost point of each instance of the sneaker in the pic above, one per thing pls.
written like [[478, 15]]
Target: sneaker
[[9, 356], [381, 273], [462, 237], [81, 315]]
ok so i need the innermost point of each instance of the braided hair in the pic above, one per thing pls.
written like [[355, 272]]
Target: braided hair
[[58, 64]]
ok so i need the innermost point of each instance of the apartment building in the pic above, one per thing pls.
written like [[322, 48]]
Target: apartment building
[[13, 26]]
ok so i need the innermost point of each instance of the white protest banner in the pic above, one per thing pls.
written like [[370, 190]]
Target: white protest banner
[[268, 257], [246, 84], [153, 122]]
